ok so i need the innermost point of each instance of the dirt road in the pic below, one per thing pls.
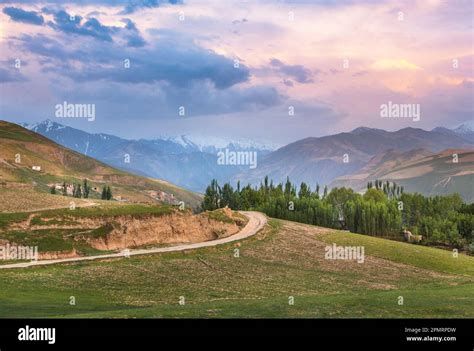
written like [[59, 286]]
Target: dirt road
[[256, 222]]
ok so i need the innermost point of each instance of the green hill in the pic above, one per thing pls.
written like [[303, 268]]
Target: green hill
[[285, 262], [21, 150]]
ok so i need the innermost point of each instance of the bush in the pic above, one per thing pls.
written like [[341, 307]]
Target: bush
[[470, 249]]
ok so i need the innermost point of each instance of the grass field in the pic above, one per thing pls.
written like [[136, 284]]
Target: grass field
[[285, 260], [19, 200]]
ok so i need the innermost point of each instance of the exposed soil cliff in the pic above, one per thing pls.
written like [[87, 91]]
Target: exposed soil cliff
[[176, 228]]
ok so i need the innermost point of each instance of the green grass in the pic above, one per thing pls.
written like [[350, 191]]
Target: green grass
[[220, 216], [63, 215], [109, 211], [8, 218], [415, 255], [452, 302], [284, 260], [46, 240], [102, 231], [15, 135]]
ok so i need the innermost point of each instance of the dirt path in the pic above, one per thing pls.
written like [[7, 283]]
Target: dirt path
[[256, 222]]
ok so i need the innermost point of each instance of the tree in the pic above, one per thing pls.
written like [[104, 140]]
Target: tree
[[86, 189], [338, 197], [316, 193], [108, 193], [288, 187], [104, 193], [375, 195], [227, 198], [53, 190], [64, 189], [212, 197], [440, 219], [78, 191], [305, 191]]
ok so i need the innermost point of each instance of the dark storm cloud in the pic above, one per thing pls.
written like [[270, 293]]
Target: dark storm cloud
[[172, 59], [20, 15], [66, 23], [77, 25], [172, 72]]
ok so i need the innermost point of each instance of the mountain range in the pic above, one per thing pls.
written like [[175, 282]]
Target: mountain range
[[179, 160], [325, 159], [349, 158]]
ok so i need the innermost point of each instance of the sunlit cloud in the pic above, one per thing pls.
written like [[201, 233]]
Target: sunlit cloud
[[257, 59], [393, 64]]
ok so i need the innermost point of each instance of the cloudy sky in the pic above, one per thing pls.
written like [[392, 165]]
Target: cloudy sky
[[237, 67]]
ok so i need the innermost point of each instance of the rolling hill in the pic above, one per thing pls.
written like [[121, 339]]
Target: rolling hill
[[419, 171], [22, 149], [284, 260]]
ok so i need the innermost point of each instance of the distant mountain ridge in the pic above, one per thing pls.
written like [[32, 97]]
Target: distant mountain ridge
[[179, 160], [329, 160], [465, 130], [325, 158], [446, 172]]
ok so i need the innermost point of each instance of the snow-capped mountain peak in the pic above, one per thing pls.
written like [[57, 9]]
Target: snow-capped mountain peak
[[45, 126], [208, 144], [465, 128]]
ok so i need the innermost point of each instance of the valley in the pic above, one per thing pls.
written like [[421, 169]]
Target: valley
[[176, 260]]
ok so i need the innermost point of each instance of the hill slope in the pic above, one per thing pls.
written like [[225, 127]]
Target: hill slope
[[285, 260], [419, 171], [323, 159], [22, 149]]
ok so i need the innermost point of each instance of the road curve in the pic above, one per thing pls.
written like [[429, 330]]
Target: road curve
[[256, 222]]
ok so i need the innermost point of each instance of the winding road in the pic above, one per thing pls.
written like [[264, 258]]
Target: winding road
[[256, 222]]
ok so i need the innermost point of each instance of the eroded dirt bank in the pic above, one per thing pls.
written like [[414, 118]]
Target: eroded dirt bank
[[176, 228], [84, 235]]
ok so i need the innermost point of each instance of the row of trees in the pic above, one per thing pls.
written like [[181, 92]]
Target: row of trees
[[383, 210], [82, 191], [106, 193], [391, 190]]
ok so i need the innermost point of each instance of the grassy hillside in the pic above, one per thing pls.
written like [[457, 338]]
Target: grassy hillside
[[22, 149], [284, 260]]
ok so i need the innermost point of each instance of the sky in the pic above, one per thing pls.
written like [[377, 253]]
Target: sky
[[269, 71]]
